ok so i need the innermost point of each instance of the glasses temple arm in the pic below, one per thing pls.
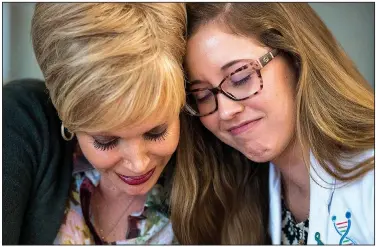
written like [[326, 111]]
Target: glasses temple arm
[[264, 60]]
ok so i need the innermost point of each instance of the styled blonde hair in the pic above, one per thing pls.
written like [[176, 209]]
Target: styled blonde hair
[[107, 65], [335, 120]]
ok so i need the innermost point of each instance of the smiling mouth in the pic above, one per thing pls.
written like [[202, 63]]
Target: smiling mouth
[[241, 128], [136, 180]]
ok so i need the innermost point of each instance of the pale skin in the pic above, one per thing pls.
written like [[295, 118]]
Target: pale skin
[[272, 137], [131, 151]]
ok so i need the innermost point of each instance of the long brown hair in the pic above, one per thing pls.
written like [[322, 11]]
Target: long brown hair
[[335, 120], [215, 190]]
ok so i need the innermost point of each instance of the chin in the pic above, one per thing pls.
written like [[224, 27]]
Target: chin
[[258, 156], [138, 190], [142, 189], [258, 159]]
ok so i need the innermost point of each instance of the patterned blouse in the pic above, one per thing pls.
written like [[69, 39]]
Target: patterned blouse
[[293, 233], [152, 226]]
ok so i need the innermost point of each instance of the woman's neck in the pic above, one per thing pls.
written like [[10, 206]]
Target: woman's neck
[[111, 209], [295, 174], [112, 195], [295, 180]]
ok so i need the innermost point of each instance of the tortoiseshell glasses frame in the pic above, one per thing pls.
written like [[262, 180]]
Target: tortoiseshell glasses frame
[[250, 69]]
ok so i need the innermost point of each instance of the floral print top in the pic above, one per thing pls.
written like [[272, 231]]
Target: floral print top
[[152, 226]]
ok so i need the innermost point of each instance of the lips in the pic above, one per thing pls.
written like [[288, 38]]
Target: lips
[[243, 127], [137, 180]]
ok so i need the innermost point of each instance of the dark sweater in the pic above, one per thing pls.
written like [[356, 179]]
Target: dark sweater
[[37, 165]]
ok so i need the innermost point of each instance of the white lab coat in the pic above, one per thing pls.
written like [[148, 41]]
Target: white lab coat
[[338, 215]]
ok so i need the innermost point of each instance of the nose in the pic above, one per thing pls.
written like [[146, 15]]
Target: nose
[[228, 108], [135, 156]]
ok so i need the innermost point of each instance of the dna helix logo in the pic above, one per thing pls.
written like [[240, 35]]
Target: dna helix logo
[[343, 229]]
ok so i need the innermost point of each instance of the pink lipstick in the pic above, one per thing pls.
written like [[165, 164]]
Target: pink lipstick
[[241, 128], [137, 180]]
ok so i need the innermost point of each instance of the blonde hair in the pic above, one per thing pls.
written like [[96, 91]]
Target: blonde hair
[[335, 119], [107, 65]]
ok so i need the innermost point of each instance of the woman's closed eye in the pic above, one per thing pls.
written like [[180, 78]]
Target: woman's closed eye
[[241, 81], [202, 96], [158, 133], [104, 143]]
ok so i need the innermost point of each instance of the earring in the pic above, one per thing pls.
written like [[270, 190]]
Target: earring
[[67, 138]]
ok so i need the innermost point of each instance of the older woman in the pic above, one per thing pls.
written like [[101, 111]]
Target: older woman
[[88, 155]]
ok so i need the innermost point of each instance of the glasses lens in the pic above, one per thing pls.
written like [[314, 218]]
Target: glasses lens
[[243, 83], [201, 102]]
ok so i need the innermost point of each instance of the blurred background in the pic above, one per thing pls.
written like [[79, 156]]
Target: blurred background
[[353, 24]]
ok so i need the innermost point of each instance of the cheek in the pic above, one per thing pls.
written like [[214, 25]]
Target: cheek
[[281, 115], [165, 148], [285, 111], [99, 159], [279, 94]]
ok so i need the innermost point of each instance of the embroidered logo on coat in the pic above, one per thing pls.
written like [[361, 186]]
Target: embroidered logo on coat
[[317, 238], [342, 228]]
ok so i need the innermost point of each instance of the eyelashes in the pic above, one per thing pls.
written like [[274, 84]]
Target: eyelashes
[[105, 146], [161, 136]]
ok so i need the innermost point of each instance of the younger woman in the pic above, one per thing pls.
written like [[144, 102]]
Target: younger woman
[[270, 80]]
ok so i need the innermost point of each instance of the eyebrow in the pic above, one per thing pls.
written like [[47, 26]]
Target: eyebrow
[[108, 135], [100, 134], [104, 138], [224, 67], [229, 64], [157, 127]]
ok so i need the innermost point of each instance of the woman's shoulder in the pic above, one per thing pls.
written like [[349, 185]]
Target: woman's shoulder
[[24, 86], [27, 109], [354, 160], [26, 103], [30, 121], [368, 180], [36, 164], [24, 93]]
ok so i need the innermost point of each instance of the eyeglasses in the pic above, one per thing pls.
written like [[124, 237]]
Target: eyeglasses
[[241, 84]]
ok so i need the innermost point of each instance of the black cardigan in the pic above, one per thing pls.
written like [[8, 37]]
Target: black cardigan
[[37, 165]]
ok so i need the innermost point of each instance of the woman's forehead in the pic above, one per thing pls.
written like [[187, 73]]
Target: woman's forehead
[[210, 49]]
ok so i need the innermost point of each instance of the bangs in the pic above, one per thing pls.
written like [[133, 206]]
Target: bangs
[[154, 89]]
